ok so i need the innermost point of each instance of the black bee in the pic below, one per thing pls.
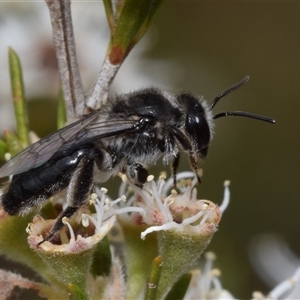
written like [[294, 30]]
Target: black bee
[[130, 132]]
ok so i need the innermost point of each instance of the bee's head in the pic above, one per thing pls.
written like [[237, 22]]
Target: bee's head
[[199, 123]]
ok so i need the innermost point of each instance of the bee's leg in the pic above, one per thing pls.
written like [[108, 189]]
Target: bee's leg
[[175, 165], [137, 174], [68, 212], [194, 165], [78, 191], [186, 145]]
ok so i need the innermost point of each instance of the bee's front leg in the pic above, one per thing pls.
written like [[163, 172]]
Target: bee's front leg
[[137, 174]]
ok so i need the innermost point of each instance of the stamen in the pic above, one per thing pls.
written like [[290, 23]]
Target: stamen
[[129, 202], [170, 181], [146, 197], [206, 277], [207, 214], [174, 193], [7, 156], [194, 218], [85, 220], [89, 217], [173, 225], [194, 195], [72, 235], [226, 198], [216, 283], [28, 228], [129, 210], [122, 189], [99, 207], [258, 296], [161, 183], [216, 272], [103, 190], [161, 208], [94, 196], [186, 197], [150, 178], [286, 287], [163, 175], [166, 226]]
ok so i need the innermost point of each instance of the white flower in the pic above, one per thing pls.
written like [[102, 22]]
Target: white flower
[[205, 283], [275, 263], [105, 209], [103, 220], [176, 211], [287, 289]]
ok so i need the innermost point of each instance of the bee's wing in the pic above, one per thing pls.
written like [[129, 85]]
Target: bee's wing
[[100, 128], [69, 136], [39, 152]]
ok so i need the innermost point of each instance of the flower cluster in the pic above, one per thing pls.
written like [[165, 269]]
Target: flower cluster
[[150, 206], [171, 219], [205, 283], [155, 220], [176, 211]]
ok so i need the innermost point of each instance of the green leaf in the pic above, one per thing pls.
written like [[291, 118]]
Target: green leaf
[[109, 13], [17, 87], [13, 143], [77, 293], [3, 149], [133, 15], [153, 278], [148, 21], [130, 21]]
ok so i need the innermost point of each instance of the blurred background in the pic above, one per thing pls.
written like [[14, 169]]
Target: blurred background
[[203, 47]]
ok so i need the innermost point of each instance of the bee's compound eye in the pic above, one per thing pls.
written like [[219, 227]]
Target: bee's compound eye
[[196, 125], [197, 128]]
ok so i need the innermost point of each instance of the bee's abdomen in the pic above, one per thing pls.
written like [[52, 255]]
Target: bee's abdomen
[[36, 185]]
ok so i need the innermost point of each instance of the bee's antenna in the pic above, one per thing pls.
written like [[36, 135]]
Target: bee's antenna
[[237, 113], [226, 92], [244, 114]]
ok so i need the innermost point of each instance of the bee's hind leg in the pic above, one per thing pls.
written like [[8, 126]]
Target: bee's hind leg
[[78, 192]]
